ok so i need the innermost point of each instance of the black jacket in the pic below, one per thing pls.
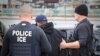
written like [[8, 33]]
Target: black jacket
[[83, 33], [54, 36], [25, 39]]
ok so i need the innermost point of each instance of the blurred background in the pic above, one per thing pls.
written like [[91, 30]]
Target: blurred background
[[52, 8], [56, 10], [60, 12]]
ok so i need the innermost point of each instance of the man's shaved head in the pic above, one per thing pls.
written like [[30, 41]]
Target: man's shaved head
[[26, 8], [26, 12]]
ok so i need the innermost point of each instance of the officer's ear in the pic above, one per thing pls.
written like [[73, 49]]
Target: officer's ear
[[78, 17]]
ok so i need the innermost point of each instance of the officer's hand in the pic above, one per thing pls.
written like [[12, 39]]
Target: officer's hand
[[63, 44]]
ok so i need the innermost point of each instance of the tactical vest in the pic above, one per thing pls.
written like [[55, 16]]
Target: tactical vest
[[23, 42]]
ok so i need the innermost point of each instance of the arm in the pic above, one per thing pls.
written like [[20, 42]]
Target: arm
[[5, 48], [64, 45], [82, 34]]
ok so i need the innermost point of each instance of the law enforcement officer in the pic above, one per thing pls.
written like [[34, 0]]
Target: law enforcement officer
[[25, 39], [82, 44]]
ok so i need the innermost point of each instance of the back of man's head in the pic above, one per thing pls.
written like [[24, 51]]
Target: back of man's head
[[26, 8], [26, 12]]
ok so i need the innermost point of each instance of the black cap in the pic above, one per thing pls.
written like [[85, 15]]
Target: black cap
[[82, 10]]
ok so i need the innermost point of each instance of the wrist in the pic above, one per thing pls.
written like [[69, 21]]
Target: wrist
[[66, 45]]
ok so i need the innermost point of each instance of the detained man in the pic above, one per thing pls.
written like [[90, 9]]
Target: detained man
[[53, 35]]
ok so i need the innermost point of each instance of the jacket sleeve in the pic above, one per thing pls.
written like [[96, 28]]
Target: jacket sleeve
[[45, 45], [5, 48], [83, 35]]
